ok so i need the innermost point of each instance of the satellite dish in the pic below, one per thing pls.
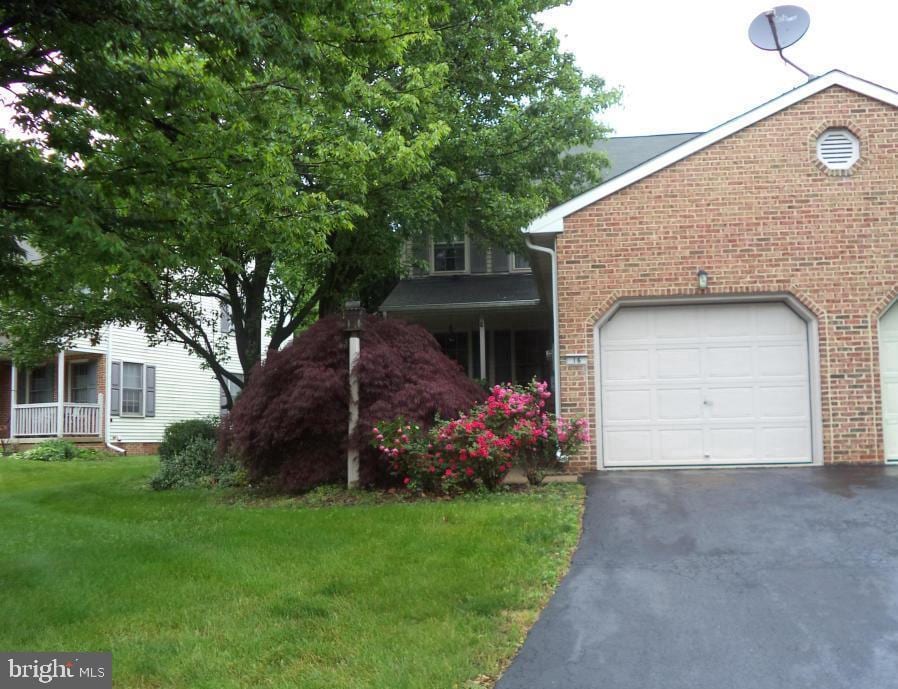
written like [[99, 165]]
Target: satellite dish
[[779, 28]]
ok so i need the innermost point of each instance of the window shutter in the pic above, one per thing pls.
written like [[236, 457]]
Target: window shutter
[[115, 388], [500, 260], [150, 393], [92, 382], [478, 258], [21, 385]]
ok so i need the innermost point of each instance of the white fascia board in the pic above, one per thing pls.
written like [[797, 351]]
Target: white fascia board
[[553, 220]]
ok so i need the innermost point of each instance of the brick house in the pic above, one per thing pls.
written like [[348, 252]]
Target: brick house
[[723, 298]]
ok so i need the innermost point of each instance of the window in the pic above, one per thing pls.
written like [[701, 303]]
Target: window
[[40, 385], [449, 256], [521, 260], [83, 382], [132, 389]]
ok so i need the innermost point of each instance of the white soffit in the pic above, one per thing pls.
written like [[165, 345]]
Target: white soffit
[[552, 221]]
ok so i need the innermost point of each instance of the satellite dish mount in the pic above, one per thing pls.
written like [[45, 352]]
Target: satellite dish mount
[[779, 28]]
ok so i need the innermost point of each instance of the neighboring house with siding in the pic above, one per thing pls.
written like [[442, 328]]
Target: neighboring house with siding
[[728, 299], [118, 390]]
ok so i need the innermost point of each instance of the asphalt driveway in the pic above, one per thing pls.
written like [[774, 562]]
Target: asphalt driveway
[[726, 579]]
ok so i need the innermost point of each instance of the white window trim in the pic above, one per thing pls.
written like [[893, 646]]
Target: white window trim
[[512, 268], [433, 263], [143, 391]]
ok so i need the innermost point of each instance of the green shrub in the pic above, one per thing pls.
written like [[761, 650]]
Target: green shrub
[[58, 451], [197, 464], [181, 434]]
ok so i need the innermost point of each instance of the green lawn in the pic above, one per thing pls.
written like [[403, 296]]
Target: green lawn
[[190, 590]]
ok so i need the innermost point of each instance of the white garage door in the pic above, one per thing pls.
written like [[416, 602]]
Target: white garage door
[[705, 385], [888, 366]]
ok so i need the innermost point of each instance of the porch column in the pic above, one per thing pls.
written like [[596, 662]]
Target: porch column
[[483, 372], [13, 400], [60, 392]]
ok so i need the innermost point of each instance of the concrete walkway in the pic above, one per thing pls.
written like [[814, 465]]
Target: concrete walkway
[[726, 579]]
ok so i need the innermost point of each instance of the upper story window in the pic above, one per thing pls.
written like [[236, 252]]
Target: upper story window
[[521, 261], [449, 256]]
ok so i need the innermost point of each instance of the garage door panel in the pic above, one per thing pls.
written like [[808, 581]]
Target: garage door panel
[[783, 402], [706, 384], [680, 403], [783, 360], [888, 366], [890, 395], [675, 363], [629, 447], [679, 325], [785, 444], [626, 325], [726, 322], [729, 362], [778, 321], [731, 403], [891, 439], [629, 405], [889, 357], [627, 365], [732, 444], [680, 444]]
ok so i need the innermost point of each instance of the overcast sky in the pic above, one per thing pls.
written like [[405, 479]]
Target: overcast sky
[[687, 65]]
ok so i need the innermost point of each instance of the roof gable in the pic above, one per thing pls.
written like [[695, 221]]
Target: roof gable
[[553, 220]]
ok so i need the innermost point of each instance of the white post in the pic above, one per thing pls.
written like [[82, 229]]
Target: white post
[[352, 452], [60, 391], [483, 372], [14, 398]]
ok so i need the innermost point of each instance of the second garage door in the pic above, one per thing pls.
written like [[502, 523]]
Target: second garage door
[[705, 384]]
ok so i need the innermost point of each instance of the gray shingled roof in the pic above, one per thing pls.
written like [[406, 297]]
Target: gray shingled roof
[[626, 152], [459, 291], [519, 289]]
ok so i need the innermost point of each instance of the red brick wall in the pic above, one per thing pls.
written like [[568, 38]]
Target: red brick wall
[[139, 448], [760, 215]]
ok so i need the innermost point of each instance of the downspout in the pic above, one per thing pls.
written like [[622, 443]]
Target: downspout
[[107, 401], [556, 355]]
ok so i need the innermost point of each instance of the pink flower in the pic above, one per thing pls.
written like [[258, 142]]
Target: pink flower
[[406, 481], [469, 471]]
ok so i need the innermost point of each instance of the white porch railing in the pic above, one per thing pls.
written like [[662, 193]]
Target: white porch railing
[[81, 419], [34, 420]]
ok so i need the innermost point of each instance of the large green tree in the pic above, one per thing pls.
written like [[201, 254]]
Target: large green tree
[[268, 157]]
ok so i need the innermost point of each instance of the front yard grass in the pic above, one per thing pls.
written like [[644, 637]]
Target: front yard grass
[[187, 589]]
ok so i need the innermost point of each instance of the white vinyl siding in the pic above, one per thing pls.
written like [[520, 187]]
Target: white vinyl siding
[[183, 389]]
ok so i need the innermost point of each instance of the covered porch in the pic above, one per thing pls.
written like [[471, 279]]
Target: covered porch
[[495, 326], [60, 398]]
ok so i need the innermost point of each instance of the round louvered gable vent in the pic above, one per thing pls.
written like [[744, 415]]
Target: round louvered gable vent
[[838, 149]]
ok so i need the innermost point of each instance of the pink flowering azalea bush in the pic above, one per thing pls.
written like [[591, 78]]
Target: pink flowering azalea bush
[[513, 427]]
